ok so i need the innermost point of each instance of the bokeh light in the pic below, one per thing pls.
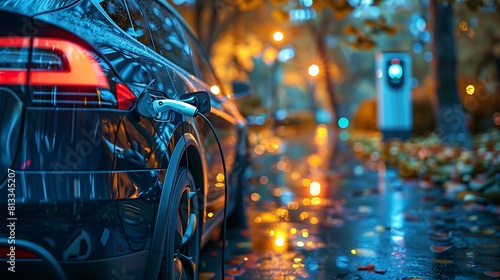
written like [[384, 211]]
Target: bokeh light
[[306, 182], [295, 176], [470, 89], [263, 180], [344, 136], [343, 122], [315, 188], [313, 70], [215, 89], [278, 36], [315, 200], [280, 242], [306, 201], [255, 197]]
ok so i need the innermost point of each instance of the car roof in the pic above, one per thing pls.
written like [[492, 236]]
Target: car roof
[[33, 7]]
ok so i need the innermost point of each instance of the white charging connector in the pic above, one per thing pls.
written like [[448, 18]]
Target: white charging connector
[[165, 105]]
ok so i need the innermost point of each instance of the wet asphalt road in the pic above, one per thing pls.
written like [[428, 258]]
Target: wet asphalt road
[[309, 220]]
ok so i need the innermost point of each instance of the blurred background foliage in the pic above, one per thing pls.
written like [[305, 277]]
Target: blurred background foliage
[[342, 37]]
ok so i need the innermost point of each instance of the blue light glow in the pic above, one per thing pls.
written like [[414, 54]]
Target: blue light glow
[[428, 56], [302, 14], [395, 71], [307, 3], [344, 135], [417, 47], [343, 122], [286, 54]]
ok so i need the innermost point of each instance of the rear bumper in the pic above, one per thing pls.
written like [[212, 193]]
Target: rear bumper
[[86, 227], [131, 266]]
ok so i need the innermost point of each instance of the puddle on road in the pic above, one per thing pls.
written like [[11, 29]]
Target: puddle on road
[[308, 222]]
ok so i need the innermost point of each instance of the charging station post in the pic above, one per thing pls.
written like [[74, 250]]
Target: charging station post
[[393, 91]]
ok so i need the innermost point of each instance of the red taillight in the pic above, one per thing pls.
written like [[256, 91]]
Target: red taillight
[[79, 66], [12, 77], [14, 60], [125, 97], [18, 253], [61, 73], [82, 69]]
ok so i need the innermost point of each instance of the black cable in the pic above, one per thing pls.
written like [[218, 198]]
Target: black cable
[[225, 193]]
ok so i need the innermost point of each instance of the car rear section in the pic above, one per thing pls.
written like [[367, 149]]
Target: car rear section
[[60, 107]]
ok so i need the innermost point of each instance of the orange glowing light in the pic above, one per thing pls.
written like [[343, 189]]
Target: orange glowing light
[[313, 70], [321, 129], [282, 165], [255, 197], [306, 182], [293, 205], [277, 192], [273, 147], [315, 188], [282, 212], [315, 160], [269, 55], [295, 176], [278, 36], [316, 201], [259, 150], [215, 89], [280, 242], [304, 215]]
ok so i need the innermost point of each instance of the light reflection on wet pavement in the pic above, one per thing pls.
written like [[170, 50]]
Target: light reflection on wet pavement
[[307, 221]]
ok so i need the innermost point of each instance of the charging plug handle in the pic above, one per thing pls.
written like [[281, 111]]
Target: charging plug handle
[[165, 105]]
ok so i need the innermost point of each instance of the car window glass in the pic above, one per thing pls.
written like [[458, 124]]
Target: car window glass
[[141, 31], [169, 40], [206, 72], [117, 11]]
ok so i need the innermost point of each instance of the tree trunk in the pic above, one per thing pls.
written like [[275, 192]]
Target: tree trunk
[[327, 77], [450, 115]]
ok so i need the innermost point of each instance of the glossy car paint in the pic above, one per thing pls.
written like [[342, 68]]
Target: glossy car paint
[[89, 181]]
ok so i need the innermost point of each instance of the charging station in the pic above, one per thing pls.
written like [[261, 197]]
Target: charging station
[[393, 91]]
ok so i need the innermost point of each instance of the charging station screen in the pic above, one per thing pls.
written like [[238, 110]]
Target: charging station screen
[[395, 73]]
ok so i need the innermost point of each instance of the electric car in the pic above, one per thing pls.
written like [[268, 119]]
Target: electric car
[[120, 149]]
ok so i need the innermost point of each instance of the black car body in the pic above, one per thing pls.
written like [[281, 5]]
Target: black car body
[[90, 188]]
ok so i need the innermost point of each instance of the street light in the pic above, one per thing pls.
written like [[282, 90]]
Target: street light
[[313, 71], [278, 36], [275, 49]]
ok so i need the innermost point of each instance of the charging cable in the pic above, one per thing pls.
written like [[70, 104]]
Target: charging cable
[[224, 233], [160, 107]]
